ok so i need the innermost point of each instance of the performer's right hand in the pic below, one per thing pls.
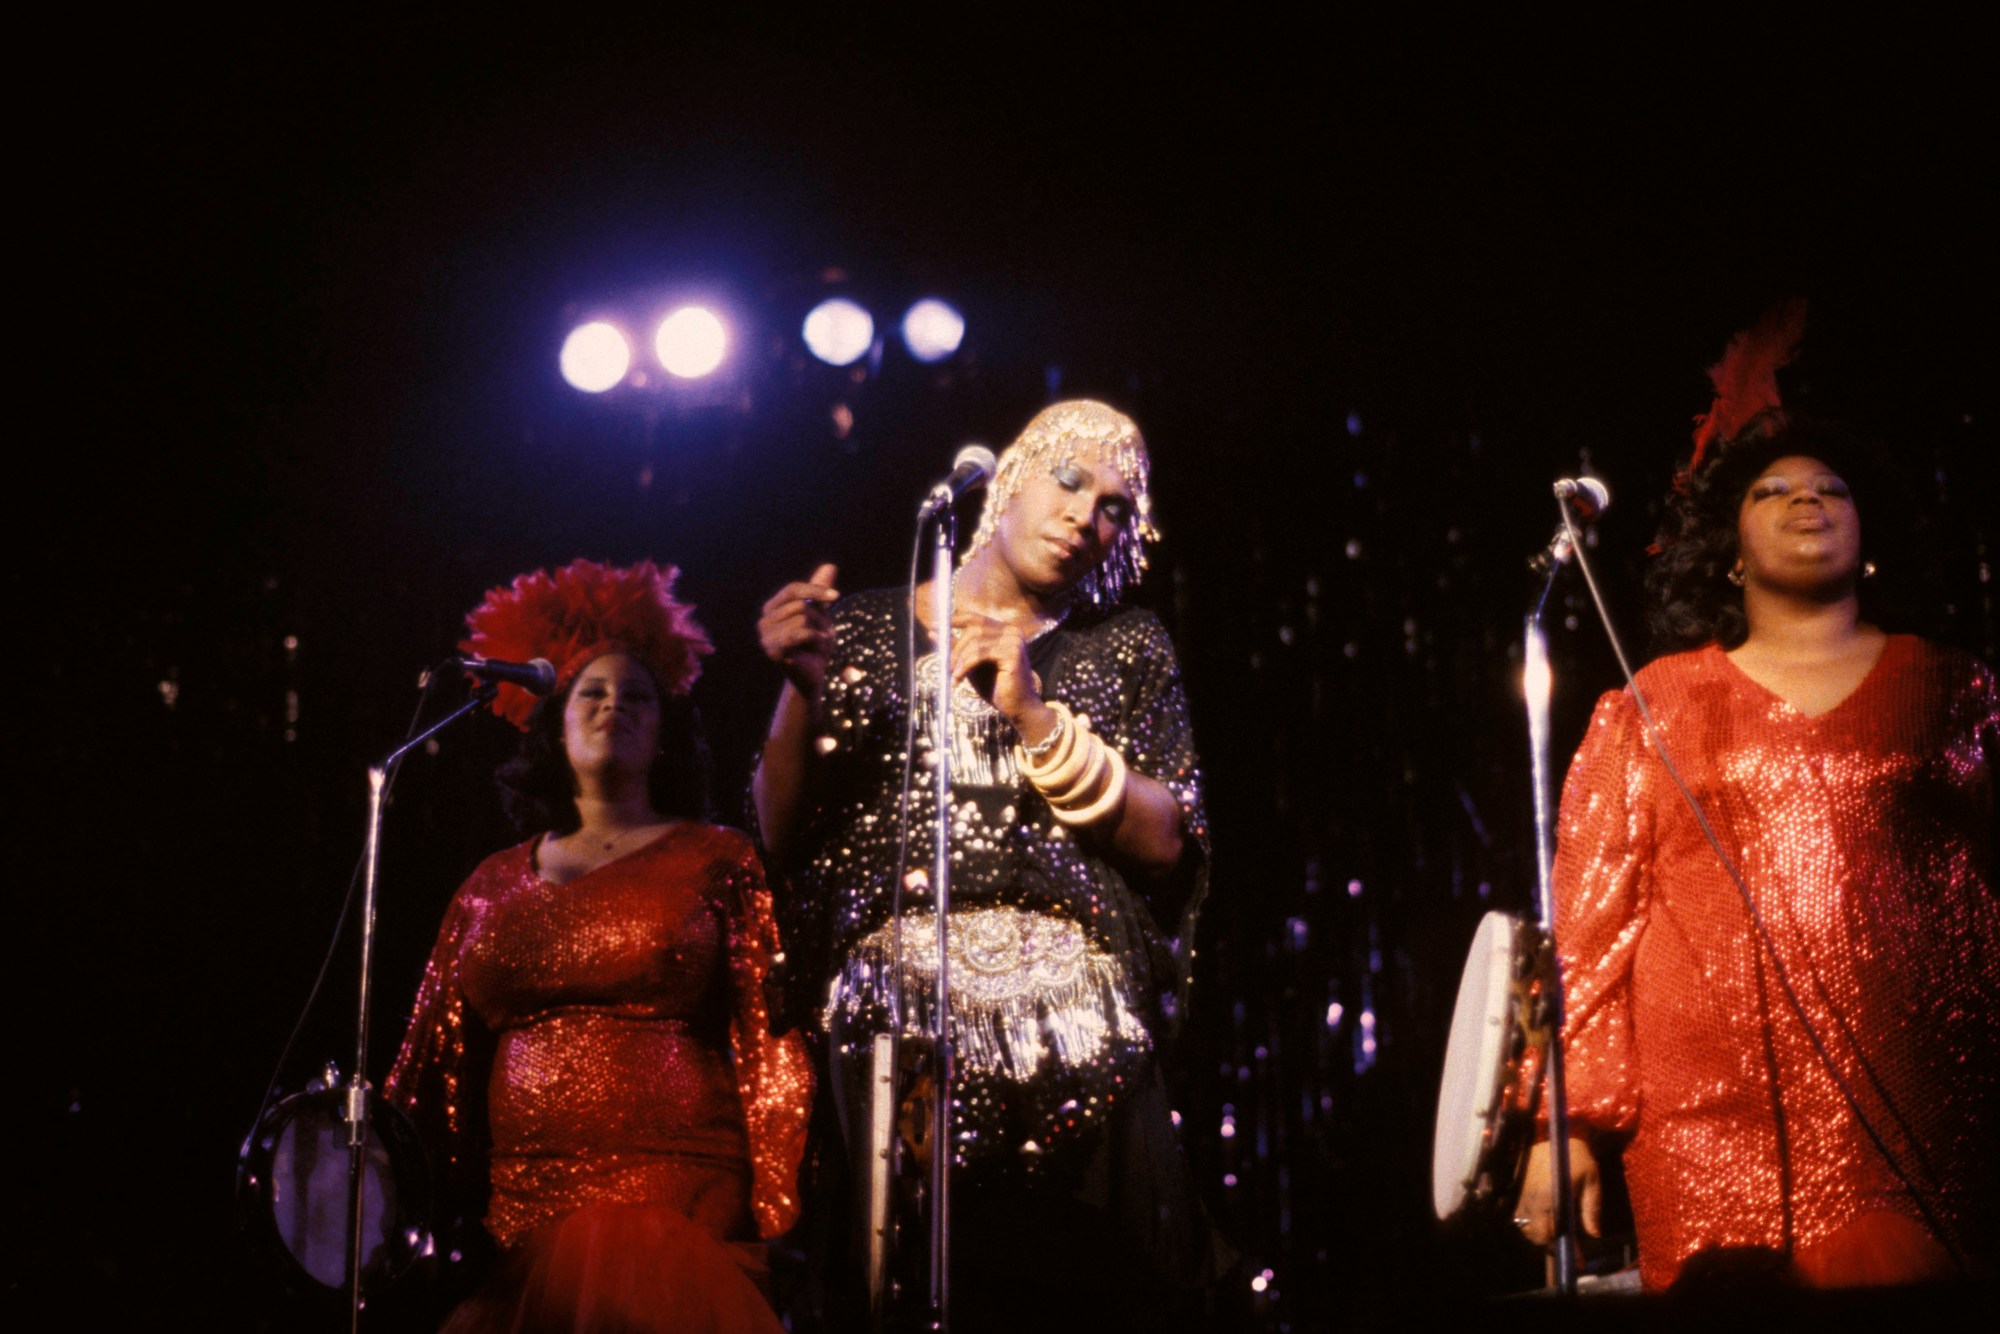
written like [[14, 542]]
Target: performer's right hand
[[796, 631], [1536, 1213]]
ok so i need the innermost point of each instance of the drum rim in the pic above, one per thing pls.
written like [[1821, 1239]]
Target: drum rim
[[408, 1164], [1470, 1125]]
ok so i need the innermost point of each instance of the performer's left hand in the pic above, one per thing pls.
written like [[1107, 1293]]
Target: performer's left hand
[[981, 641], [1536, 1214]]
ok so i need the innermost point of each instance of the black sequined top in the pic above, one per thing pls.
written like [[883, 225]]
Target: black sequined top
[[1116, 669]]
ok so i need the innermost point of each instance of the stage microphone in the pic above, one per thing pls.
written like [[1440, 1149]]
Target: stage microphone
[[1590, 496], [972, 469], [537, 677]]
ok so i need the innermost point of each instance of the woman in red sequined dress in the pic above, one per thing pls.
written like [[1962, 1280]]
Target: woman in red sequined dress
[[1848, 775], [590, 1051]]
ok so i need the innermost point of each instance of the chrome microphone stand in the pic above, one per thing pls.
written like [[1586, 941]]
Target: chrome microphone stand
[[357, 1084], [1537, 685], [944, 528]]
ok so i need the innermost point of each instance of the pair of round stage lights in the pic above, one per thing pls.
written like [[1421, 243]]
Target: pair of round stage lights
[[692, 342], [839, 332]]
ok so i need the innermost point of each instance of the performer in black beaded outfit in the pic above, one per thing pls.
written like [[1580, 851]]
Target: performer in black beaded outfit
[[1079, 859]]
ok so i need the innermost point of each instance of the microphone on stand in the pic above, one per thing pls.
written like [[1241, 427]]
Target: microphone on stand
[[1589, 496], [972, 469], [537, 677]]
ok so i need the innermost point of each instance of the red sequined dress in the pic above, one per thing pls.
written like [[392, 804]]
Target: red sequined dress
[[599, 1055], [1866, 838]]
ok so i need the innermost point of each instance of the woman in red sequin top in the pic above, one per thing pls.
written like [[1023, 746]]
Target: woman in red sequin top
[[1848, 776], [591, 1050]]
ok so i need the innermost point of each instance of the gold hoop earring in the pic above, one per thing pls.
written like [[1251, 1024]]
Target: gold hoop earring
[[1867, 569], [1735, 576]]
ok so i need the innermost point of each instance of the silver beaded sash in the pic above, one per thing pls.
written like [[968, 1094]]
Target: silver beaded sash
[[1026, 989]]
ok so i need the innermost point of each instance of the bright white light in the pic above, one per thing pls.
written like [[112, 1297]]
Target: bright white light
[[691, 342], [838, 331], [932, 330], [1537, 681], [595, 357]]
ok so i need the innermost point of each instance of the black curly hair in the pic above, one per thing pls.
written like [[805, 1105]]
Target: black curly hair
[[538, 790], [1690, 601]]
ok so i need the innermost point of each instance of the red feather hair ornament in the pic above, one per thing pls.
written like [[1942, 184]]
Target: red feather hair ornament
[[1746, 379], [584, 611]]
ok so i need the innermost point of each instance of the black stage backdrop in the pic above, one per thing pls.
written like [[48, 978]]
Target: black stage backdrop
[[293, 303]]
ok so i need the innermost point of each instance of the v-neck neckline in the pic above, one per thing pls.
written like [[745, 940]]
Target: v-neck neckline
[[1890, 644], [535, 855]]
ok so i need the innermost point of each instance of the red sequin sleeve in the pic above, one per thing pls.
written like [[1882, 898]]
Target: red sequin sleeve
[[1603, 890], [774, 1075], [439, 1078]]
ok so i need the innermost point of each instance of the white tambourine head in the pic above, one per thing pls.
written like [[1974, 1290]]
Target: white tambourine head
[[1474, 1064]]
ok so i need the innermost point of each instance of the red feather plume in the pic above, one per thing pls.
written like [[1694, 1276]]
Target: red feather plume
[[584, 611], [1746, 379]]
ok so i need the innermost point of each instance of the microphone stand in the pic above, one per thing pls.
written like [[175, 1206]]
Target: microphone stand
[[1537, 685], [356, 1113], [944, 528]]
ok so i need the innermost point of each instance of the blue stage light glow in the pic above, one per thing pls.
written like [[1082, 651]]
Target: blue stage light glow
[[932, 330], [595, 357], [691, 342], [838, 331]]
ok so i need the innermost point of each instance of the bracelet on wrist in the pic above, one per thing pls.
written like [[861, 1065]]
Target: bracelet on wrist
[[1060, 771], [1037, 755], [1107, 801]]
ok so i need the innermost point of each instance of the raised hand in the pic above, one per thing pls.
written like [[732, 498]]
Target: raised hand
[[797, 633]]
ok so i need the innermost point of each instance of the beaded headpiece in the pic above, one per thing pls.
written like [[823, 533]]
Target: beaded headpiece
[[582, 612], [1065, 431]]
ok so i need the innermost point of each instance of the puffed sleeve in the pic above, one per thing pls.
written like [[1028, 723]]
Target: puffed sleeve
[[439, 1078], [774, 1075], [1603, 888]]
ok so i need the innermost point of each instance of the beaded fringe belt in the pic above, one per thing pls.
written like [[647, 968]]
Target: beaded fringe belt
[[1025, 987]]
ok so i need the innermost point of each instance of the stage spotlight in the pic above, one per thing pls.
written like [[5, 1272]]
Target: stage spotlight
[[595, 357], [838, 331], [932, 330], [691, 342]]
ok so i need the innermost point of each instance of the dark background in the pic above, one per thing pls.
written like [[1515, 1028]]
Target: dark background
[[293, 295]]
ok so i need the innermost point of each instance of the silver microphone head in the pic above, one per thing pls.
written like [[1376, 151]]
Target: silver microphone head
[[976, 456], [1590, 496]]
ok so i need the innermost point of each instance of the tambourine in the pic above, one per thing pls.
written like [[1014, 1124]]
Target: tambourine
[[292, 1190], [1500, 1033]]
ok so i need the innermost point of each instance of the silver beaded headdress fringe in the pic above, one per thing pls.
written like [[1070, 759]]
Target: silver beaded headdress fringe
[[1061, 433]]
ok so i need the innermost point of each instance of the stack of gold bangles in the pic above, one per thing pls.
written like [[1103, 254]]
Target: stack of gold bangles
[[1082, 779]]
